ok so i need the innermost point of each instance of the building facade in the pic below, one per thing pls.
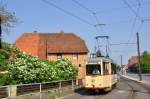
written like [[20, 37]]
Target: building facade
[[133, 64], [133, 61], [54, 46]]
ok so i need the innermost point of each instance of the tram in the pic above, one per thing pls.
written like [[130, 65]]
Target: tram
[[100, 74]]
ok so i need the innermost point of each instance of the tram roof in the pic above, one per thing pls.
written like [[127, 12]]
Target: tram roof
[[96, 60]]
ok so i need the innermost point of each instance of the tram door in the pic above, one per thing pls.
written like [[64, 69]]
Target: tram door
[[106, 68]]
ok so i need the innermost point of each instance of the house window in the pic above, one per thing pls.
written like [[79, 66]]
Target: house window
[[74, 56], [59, 56]]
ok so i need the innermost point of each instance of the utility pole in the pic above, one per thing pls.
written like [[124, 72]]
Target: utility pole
[[138, 50], [46, 49], [0, 32], [121, 64]]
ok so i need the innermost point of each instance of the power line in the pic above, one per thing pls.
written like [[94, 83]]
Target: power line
[[98, 22], [83, 6], [123, 44], [93, 13], [66, 12], [133, 11], [119, 8], [134, 22]]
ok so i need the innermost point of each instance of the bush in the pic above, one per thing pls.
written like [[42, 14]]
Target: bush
[[24, 68]]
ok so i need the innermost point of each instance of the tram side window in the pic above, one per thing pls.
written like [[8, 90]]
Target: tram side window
[[93, 70], [105, 68]]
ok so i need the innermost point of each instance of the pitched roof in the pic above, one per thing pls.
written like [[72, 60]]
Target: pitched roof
[[56, 42], [63, 43]]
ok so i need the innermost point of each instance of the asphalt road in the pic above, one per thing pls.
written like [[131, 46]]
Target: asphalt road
[[125, 89]]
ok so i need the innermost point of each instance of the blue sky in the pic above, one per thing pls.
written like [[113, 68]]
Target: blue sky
[[118, 17]]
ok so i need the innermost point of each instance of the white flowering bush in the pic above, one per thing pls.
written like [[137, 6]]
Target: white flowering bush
[[29, 69], [65, 70]]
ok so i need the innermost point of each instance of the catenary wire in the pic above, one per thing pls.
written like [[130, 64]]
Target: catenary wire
[[134, 21], [130, 7], [66, 12], [120, 8], [93, 13]]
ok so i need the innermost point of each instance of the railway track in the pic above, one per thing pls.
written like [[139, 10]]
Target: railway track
[[137, 90], [131, 93], [125, 89]]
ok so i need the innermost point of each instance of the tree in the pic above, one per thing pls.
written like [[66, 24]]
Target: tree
[[7, 20], [145, 63], [98, 53], [4, 56]]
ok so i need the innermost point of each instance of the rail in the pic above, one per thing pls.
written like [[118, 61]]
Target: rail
[[37, 89]]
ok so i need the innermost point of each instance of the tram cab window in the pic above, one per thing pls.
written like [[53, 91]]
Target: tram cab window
[[93, 69], [105, 68]]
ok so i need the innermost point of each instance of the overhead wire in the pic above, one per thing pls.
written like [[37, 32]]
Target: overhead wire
[[122, 44], [133, 11], [98, 22], [142, 22], [93, 13], [120, 8], [89, 10], [134, 21], [136, 15], [66, 12]]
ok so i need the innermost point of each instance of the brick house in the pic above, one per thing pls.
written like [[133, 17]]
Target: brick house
[[53, 46], [133, 61], [133, 64]]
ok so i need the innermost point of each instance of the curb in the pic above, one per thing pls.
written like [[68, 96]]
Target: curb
[[137, 80]]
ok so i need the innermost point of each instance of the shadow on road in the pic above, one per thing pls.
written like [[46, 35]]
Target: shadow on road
[[86, 92]]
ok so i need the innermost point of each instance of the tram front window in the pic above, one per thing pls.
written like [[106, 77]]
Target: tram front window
[[93, 69]]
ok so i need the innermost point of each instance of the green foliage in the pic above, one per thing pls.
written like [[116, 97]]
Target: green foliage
[[24, 68], [98, 53], [4, 56], [65, 70], [145, 62]]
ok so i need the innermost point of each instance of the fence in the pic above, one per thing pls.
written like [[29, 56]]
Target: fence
[[37, 90]]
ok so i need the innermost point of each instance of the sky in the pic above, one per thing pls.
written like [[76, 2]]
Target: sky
[[122, 19]]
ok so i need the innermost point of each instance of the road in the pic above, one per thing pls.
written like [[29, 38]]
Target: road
[[125, 89]]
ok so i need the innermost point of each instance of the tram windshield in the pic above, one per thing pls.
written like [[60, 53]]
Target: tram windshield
[[93, 69]]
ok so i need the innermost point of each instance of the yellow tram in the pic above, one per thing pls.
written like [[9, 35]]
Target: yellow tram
[[100, 74]]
